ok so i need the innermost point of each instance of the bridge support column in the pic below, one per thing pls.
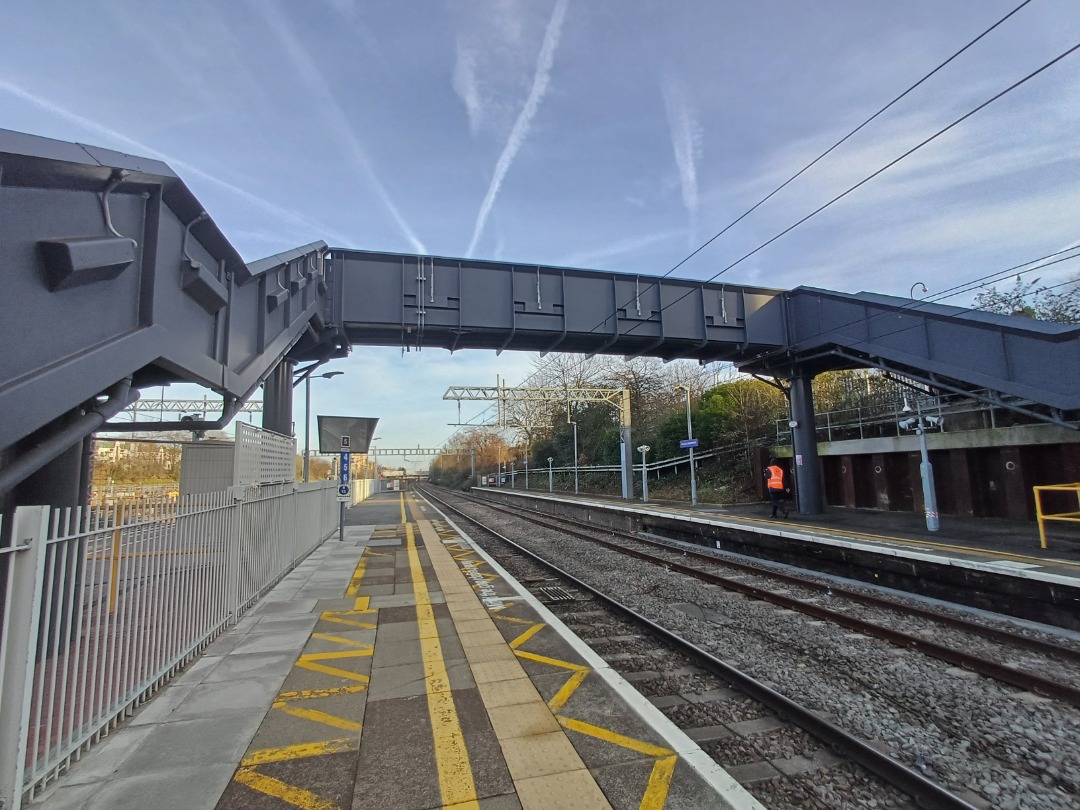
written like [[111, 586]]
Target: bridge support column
[[804, 444], [277, 399]]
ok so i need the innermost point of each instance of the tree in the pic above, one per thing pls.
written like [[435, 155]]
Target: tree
[[1030, 299]]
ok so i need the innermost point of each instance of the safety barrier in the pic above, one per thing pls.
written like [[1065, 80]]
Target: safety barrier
[[1042, 517], [102, 606]]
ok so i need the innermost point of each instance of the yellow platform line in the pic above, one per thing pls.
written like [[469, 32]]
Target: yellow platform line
[[402, 502], [854, 535], [456, 782], [297, 797]]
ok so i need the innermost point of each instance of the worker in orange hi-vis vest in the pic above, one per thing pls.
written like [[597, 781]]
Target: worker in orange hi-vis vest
[[774, 477]]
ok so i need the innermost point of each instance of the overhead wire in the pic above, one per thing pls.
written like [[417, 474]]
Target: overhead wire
[[870, 177], [820, 157]]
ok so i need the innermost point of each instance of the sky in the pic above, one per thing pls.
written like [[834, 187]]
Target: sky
[[587, 133]]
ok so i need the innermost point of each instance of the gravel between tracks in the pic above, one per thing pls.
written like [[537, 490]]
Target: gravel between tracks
[[1015, 750]]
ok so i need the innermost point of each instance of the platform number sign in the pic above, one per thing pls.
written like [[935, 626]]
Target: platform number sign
[[344, 467], [346, 442]]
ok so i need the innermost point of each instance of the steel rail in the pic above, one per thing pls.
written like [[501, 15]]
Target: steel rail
[[1047, 648], [1021, 679], [926, 793]]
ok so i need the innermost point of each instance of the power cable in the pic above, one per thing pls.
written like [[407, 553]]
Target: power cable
[[824, 154], [870, 177]]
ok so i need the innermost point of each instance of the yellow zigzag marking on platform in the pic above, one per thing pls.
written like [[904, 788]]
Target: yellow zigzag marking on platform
[[315, 694], [663, 769], [300, 751], [290, 794], [287, 702], [297, 797], [317, 716], [336, 616], [310, 661], [358, 574]]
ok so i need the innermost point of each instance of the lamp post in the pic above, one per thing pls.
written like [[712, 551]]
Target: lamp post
[[690, 437], [911, 292], [526, 463], [373, 457], [307, 417], [551, 485], [919, 424], [513, 472], [643, 449], [575, 459]]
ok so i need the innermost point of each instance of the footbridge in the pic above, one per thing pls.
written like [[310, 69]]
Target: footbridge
[[115, 278]]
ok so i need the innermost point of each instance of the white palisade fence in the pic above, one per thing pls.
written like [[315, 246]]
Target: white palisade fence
[[101, 607]]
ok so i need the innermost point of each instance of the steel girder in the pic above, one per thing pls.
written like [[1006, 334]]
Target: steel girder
[[1009, 361], [390, 299]]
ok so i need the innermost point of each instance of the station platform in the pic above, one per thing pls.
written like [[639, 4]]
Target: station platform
[[994, 540], [401, 668]]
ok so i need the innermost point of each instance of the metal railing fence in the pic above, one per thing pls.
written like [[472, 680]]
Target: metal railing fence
[[103, 605]]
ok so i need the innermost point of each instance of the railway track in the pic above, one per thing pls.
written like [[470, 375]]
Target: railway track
[[787, 754], [987, 743], [886, 620]]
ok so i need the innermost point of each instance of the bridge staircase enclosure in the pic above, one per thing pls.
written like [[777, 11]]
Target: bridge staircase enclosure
[[115, 279]]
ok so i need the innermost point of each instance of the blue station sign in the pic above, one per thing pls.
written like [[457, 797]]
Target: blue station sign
[[688, 443]]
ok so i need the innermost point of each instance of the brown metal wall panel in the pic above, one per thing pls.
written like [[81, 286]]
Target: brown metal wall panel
[[847, 481]]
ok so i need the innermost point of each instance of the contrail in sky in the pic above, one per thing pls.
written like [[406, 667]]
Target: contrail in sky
[[686, 141], [292, 217], [524, 120], [333, 114]]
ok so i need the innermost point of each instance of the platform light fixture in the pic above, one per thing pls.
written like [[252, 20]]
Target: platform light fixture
[[307, 417], [919, 424]]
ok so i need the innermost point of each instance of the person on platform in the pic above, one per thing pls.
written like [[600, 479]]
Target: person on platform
[[774, 482]]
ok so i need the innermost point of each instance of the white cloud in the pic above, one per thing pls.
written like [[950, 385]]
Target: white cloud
[[333, 116], [520, 132]]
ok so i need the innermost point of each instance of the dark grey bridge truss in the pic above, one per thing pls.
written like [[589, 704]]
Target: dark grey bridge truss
[[115, 279]]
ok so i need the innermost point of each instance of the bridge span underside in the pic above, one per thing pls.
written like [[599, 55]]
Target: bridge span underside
[[388, 299]]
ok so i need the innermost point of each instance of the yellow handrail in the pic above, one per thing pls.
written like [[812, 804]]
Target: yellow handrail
[[1042, 517]]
